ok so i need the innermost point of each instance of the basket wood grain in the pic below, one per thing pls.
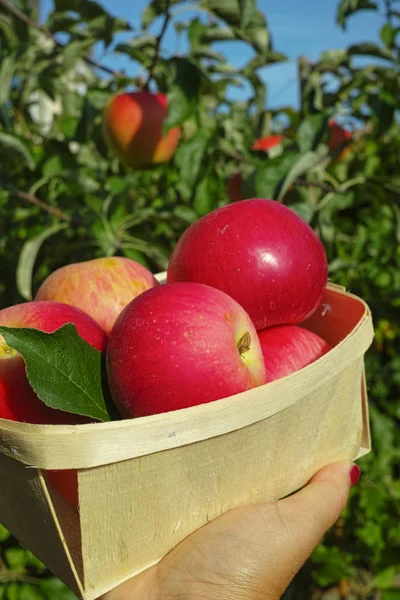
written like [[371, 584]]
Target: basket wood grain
[[145, 484]]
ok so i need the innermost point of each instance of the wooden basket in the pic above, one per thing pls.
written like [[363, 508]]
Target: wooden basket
[[145, 484]]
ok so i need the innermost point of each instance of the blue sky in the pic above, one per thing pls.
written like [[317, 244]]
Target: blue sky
[[297, 28]]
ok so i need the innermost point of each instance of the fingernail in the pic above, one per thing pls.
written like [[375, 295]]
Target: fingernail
[[355, 473]]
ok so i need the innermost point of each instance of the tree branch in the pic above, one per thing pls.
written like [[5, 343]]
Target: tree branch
[[25, 19], [317, 184], [388, 11], [157, 49], [34, 200]]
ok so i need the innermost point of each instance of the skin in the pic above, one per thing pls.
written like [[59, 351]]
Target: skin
[[18, 401], [175, 330], [260, 253], [109, 284], [132, 126], [288, 348], [251, 553]]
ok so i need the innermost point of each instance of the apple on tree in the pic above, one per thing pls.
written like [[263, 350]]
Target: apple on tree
[[18, 401], [133, 128], [267, 143], [337, 136], [180, 345], [288, 348], [259, 252], [101, 287]]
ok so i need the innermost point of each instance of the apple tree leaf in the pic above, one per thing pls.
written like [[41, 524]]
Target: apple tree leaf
[[62, 368], [27, 259], [183, 98]]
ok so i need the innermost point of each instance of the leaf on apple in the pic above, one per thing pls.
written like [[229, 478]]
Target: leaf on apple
[[62, 368]]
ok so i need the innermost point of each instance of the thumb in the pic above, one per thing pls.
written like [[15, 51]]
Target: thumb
[[309, 513]]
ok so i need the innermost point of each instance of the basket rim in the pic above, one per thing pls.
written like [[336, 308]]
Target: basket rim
[[96, 444]]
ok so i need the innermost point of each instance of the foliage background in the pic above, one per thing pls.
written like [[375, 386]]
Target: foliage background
[[65, 198]]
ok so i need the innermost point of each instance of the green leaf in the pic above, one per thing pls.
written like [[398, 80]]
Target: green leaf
[[12, 143], [269, 178], [332, 59], [54, 589], [227, 10], [186, 213], [368, 49], [7, 69], [183, 96], [304, 210], [206, 196], [143, 41], [74, 51], [391, 595], [308, 161], [330, 565], [62, 21], [88, 9], [10, 35], [16, 558], [385, 579], [208, 53], [189, 158], [388, 35], [116, 184], [310, 131], [4, 534], [195, 33], [256, 33], [155, 9], [12, 591], [347, 8], [29, 592], [214, 33], [62, 368], [383, 114], [27, 259], [255, 30], [248, 10]]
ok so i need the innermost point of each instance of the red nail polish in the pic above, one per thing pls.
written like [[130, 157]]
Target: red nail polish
[[355, 473]]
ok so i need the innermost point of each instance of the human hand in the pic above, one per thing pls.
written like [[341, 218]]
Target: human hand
[[250, 553]]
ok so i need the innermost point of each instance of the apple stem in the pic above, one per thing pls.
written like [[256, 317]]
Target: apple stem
[[244, 343]]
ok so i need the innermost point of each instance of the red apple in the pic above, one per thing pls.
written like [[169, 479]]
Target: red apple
[[18, 401], [338, 135], [259, 252], [101, 287], [133, 125], [267, 143], [288, 348], [181, 345]]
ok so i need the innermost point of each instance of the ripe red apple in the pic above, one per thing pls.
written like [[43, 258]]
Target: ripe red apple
[[259, 252], [338, 135], [288, 348], [267, 143], [133, 125], [18, 401], [101, 287], [180, 345]]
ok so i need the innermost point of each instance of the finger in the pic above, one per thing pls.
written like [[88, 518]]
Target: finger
[[321, 502], [307, 515]]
